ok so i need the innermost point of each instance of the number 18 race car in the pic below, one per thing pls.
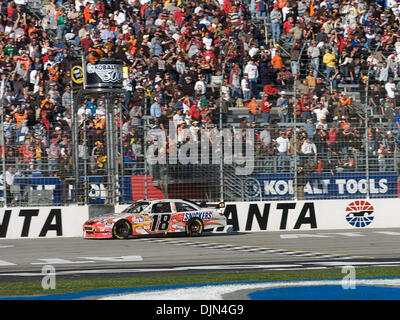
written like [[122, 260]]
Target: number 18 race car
[[147, 217]]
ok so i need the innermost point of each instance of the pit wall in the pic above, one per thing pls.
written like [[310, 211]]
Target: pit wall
[[55, 222]]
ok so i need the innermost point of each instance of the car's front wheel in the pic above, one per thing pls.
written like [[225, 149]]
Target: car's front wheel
[[122, 229], [194, 227]]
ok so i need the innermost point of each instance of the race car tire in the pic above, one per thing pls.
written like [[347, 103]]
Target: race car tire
[[122, 230], [194, 227]]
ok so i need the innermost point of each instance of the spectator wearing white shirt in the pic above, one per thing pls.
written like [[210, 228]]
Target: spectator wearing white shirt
[[245, 86], [8, 179], [313, 53], [253, 51], [320, 112], [207, 40], [390, 88], [178, 118], [308, 151], [265, 136], [119, 17], [283, 144], [251, 70], [200, 87]]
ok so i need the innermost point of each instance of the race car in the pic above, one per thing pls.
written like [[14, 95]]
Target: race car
[[148, 217]]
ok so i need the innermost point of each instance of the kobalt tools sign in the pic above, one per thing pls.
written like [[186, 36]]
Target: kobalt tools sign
[[348, 185]]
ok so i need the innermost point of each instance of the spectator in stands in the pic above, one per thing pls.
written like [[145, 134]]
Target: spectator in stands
[[166, 48], [53, 155], [253, 107], [301, 181], [276, 20], [390, 88], [283, 106], [245, 86], [265, 109], [282, 145], [308, 151], [390, 117], [284, 77], [329, 59], [251, 69], [314, 53]]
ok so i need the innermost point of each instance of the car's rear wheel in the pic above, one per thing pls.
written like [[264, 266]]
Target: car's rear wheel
[[122, 229], [194, 227]]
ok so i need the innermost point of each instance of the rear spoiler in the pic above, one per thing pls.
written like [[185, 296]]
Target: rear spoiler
[[219, 205], [203, 204]]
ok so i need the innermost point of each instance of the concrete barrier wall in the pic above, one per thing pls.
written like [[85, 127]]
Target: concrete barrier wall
[[312, 215], [51, 222], [42, 222]]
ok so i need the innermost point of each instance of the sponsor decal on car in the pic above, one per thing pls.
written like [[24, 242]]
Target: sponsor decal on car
[[202, 215]]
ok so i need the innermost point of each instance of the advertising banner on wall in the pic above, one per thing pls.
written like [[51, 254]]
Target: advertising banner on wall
[[347, 185], [312, 215], [42, 222]]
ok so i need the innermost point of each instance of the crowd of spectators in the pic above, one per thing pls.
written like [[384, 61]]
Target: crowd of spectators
[[193, 61]]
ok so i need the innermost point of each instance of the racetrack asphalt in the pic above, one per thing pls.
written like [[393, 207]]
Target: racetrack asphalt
[[214, 252]]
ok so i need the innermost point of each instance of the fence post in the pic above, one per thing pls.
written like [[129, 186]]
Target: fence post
[[366, 104], [145, 142], [119, 167], [3, 155]]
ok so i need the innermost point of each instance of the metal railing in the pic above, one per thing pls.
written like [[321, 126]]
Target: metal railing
[[343, 167], [346, 165]]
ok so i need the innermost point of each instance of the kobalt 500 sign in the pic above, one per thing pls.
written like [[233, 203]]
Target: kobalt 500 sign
[[106, 72]]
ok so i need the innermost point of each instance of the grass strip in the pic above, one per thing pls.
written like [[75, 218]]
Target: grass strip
[[33, 288]]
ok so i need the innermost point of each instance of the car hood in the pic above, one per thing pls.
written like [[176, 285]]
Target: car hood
[[113, 217]]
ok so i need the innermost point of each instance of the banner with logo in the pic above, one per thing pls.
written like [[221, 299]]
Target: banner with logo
[[348, 185], [75, 66], [106, 74], [311, 215]]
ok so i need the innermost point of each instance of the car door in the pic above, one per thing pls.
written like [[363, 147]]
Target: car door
[[161, 217]]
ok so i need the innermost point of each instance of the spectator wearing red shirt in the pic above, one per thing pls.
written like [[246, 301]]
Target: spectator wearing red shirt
[[87, 42], [265, 108], [179, 15], [305, 107], [332, 135], [194, 113], [289, 24]]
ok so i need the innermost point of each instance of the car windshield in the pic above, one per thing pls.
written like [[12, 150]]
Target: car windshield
[[136, 207]]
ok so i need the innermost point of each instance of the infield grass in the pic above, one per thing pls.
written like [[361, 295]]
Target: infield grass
[[34, 288]]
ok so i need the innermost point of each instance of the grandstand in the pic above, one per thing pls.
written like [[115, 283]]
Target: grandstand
[[317, 82]]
